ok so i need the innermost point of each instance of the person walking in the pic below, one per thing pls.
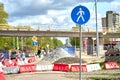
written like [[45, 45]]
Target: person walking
[[39, 52], [23, 56]]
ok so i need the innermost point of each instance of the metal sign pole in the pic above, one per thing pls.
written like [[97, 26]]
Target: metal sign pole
[[97, 35], [80, 15], [80, 51]]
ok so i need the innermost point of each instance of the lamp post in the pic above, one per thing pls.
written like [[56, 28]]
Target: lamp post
[[97, 35]]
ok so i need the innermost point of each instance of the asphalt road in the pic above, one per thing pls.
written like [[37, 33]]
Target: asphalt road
[[42, 76]]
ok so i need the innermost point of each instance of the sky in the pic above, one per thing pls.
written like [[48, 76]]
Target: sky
[[55, 14]]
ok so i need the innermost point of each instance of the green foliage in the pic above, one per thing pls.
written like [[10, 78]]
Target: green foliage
[[75, 41], [3, 17], [8, 42], [57, 42], [27, 41], [52, 42]]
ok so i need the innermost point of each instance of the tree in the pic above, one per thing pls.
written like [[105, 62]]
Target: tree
[[3, 15], [57, 42], [75, 41]]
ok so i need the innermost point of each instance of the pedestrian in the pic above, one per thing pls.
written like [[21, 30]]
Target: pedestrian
[[39, 52], [23, 56], [13, 54]]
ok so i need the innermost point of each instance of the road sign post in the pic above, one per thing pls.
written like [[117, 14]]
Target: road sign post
[[35, 43], [80, 15]]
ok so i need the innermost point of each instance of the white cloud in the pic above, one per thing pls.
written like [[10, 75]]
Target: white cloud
[[51, 12]]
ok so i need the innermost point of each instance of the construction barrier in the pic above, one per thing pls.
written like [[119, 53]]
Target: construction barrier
[[76, 68], [12, 69], [27, 68], [111, 65], [93, 67], [61, 67], [2, 77], [32, 59], [44, 67], [7, 63], [13, 62], [20, 61], [84, 68], [1, 65]]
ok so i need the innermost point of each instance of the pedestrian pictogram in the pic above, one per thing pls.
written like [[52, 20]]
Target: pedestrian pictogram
[[80, 15]]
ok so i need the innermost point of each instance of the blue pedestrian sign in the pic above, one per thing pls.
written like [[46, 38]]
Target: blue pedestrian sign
[[34, 43], [80, 15]]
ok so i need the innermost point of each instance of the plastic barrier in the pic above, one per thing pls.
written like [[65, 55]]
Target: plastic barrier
[[13, 69], [84, 68], [44, 67], [20, 61], [6, 63], [1, 57], [32, 59], [1, 65], [76, 68], [93, 67], [61, 67], [9, 63], [13, 62], [2, 77], [111, 65], [27, 68]]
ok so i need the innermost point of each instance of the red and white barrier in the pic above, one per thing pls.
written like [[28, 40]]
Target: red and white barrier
[[61, 67], [32, 59], [111, 65], [27, 68], [93, 67], [44, 67], [12, 69], [2, 77], [7, 63], [76, 68], [20, 61]]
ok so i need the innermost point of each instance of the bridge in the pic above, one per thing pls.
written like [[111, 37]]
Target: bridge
[[48, 33]]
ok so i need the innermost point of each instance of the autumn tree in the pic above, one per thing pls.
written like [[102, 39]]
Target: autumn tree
[[3, 15]]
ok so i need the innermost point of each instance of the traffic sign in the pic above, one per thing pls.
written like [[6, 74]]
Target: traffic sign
[[34, 38], [80, 15], [34, 43]]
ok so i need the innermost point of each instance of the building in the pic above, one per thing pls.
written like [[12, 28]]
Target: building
[[111, 22], [104, 24]]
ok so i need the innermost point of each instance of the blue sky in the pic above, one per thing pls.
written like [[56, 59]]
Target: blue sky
[[55, 13]]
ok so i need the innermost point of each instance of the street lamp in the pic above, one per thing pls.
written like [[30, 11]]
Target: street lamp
[[97, 35]]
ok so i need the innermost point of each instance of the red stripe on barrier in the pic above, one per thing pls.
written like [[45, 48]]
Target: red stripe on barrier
[[9, 63], [61, 67], [27, 68], [2, 77], [84, 68], [111, 65], [14, 62], [6, 63], [32, 59], [76, 68]]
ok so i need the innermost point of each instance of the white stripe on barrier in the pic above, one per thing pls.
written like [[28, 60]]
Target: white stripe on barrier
[[20, 62], [44, 67], [1, 65], [12, 69], [93, 67]]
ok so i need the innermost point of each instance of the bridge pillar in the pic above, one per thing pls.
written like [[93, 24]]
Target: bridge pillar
[[101, 46], [89, 46]]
